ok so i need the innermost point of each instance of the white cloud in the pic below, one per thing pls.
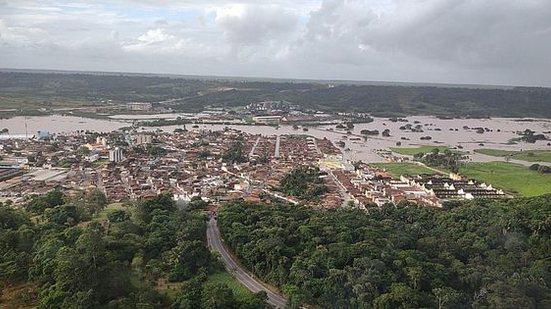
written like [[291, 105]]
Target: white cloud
[[155, 36], [467, 41], [246, 24]]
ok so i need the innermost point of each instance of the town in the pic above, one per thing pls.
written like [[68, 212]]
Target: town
[[217, 166]]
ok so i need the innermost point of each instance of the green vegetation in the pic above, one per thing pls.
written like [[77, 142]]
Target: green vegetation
[[304, 183], [544, 169], [30, 91], [442, 159], [530, 136], [151, 150], [526, 155], [511, 177], [100, 163], [234, 154], [435, 156], [398, 169], [482, 254], [420, 150], [79, 252], [240, 292]]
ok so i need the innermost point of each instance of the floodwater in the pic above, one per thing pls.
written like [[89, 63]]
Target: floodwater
[[443, 132], [59, 124]]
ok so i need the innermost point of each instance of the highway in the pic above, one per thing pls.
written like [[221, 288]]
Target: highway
[[254, 285]]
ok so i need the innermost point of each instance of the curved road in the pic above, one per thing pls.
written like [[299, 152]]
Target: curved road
[[215, 243]]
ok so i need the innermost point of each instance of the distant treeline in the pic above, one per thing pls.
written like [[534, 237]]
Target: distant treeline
[[195, 94]]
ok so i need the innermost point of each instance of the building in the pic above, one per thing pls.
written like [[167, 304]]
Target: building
[[138, 106], [16, 136], [142, 139], [115, 155], [101, 141]]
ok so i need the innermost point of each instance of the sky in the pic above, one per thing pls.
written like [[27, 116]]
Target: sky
[[496, 42]]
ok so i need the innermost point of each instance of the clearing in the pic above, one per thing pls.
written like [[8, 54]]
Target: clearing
[[513, 178], [421, 149], [239, 291], [526, 155]]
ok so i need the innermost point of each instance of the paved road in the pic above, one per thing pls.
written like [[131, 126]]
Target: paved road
[[345, 195], [215, 244], [254, 147], [276, 152]]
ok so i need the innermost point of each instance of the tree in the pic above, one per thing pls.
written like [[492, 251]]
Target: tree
[[445, 296], [217, 295], [95, 201], [190, 294], [84, 151], [118, 215], [234, 154], [197, 203], [303, 182], [188, 257]]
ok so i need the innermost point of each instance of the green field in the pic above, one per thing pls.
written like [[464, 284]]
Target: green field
[[100, 163], [513, 178], [421, 149], [398, 169], [527, 155], [102, 215], [239, 291]]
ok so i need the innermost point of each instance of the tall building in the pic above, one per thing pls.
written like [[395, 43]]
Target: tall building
[[142, 139], [115, 155]]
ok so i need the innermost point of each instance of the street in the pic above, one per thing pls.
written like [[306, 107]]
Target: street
[[215, 244]]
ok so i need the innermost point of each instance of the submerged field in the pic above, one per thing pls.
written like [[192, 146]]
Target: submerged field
[[527, 155], [513, 178], [411, 151]]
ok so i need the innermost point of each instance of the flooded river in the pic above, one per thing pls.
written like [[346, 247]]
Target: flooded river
[[443, 132]]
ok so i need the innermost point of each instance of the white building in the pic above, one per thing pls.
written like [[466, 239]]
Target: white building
[[115, 155], [142, 139]]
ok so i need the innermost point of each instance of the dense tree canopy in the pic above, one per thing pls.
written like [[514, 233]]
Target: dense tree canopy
[[234, 154], [45, 89], [79, 259], [303, 182], [479, 253]]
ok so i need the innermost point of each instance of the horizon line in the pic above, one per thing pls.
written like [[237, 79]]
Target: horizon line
[[280, 79]]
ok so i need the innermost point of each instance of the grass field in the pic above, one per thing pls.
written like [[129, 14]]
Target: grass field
[[398, 169], [102, 215], [421, 149], [513, 178], [527, 155], [239, 290], [100, 163]]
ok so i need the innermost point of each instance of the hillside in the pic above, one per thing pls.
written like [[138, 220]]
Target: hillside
[[24, 90]]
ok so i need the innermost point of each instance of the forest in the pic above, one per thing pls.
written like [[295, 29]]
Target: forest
[[482, 254], [303, 182], [61, 252], [35, 90]]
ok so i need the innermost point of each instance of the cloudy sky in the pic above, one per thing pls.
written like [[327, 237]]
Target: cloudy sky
[[449, 41]]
